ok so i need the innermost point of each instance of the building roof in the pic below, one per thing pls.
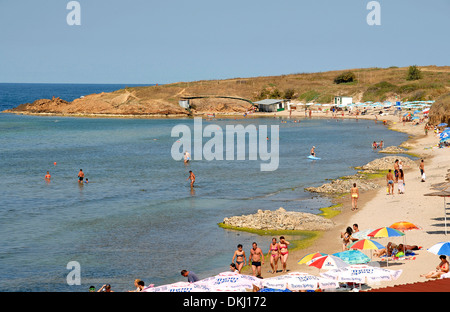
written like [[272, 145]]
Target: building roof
[[438, 285], [268, 102]]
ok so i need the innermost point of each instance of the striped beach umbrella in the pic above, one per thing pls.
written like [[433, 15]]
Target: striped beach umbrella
[[385, 232], [365, 244], [327, 262], [311, 256], [442, 248]]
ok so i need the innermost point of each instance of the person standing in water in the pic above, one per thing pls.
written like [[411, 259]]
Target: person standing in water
[[191, 177], [81, 176], [48, 176], [313, 153], [354, 192], [187, 157]]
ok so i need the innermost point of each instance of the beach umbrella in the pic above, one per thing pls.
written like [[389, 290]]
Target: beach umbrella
[[177, 287], [311, 256], [444, 191], [362, 274], [327, 262], [442, 124], [385, 232], [230, 281], [362, 234], [299, 281], [404, 226], [365, 244], [352, 256], [442, 248]]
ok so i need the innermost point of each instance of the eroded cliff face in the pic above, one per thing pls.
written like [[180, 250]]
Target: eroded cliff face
[[115, 103], [440, 110], [126, 103]]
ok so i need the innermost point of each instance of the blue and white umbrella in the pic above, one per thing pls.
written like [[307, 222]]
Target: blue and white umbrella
[[442, 248], [442, 124]]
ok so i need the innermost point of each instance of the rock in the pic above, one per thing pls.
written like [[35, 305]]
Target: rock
[[340, 186], [393, 150], [387, 163], [280, 219]]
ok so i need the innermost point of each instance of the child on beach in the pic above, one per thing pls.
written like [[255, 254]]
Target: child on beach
[[347, 238]]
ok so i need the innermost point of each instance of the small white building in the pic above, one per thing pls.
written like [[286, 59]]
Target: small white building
[[184, 103], [343, 100], [271, 105]]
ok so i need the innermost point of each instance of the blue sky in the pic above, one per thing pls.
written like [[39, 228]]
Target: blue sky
[[147, 41]]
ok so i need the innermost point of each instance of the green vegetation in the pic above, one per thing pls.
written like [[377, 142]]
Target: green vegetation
[[345, 78], [414, 73]]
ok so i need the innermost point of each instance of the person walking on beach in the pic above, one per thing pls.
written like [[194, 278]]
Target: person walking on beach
[[256, 258], [241, 259], [191, 177], [284, 252], [80, 176], [401, 181], [274, 254], [396, 167], [192, 277], [354, 193], [390, 182], [422, 170]]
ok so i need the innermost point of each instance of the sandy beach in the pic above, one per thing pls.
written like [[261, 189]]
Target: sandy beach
[[377, 209]]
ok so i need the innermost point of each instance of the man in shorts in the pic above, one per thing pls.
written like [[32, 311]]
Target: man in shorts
[[390, 182], [80, 176], [256, 258]]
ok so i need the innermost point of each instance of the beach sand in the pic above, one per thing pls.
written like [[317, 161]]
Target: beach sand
[[377, 209]]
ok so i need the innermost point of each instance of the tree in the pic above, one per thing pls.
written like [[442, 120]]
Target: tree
[[345, 77], [289, 94], [414, 73]]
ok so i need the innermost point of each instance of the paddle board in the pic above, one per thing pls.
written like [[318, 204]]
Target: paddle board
[[312, 157]]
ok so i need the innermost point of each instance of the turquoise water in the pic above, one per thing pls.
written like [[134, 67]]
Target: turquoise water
[[137, 218]]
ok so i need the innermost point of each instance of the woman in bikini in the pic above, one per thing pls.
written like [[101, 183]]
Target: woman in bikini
[[284, 252], [354, 192], [442, 268], [274, 254], [241, 260]]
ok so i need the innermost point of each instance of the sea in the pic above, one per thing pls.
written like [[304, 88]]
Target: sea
[[138, 218]]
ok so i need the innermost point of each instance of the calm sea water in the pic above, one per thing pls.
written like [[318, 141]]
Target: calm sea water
[[137, 218]]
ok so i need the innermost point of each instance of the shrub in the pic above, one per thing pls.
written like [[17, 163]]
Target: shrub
[[289, 94], [345, 77], [414, 73]]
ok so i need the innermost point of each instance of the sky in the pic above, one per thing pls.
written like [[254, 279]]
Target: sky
[[148, 41]]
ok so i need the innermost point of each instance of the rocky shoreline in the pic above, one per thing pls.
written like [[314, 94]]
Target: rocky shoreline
[[280, 219]]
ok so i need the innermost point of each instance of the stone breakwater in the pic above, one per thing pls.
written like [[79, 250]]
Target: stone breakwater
[[344, 184], [280, 219]]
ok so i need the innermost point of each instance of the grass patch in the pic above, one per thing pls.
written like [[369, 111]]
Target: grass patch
[[331, 212], [374, 175]]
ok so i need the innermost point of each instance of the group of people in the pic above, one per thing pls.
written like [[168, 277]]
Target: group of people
[[398, 176], [277, 251], [347, 236], [376, 145], [80, 177]]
